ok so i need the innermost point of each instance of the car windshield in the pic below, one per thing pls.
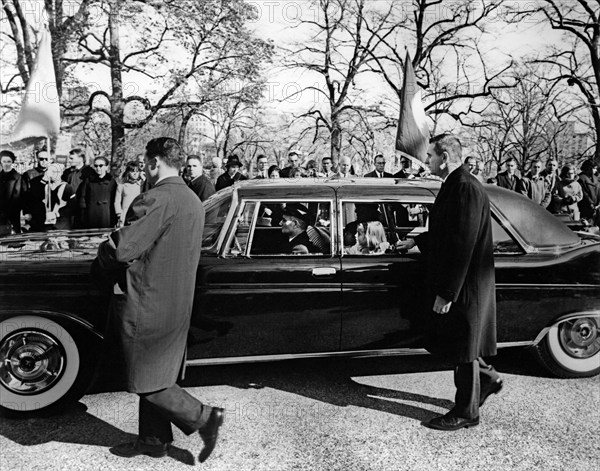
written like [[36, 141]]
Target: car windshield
[[534, 224]]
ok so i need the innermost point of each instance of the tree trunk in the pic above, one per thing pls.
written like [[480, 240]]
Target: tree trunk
[[116, 99], [336, 138]]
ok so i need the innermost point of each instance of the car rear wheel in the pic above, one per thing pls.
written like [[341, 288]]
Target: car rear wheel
[[571, 349], [43, 364]]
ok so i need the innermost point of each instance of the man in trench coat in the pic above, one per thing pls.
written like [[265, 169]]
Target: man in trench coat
[[458, 249], [154, 259]]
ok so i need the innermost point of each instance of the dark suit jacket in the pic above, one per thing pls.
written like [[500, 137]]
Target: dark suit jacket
[[516, 184], [160, 250], [302, 239], [12, 198], [460, 263], [225, 180], [202, 186], [401, 174], [373, 174]]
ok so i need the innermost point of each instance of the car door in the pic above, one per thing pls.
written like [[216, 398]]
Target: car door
[[382, 293], [255, 300]]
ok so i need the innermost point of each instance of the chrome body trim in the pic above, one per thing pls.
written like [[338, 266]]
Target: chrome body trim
[[566, 317], [6, 315], [299, 356], [346, 354]]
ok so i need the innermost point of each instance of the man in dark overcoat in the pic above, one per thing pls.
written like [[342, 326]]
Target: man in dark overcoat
[[198, 182], [379, 171], [458, 249], [154, 258]]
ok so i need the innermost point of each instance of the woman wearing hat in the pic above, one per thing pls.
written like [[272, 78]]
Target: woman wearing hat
[[232, 174]]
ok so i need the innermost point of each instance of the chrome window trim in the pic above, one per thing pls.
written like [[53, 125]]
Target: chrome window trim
[[301, 200]]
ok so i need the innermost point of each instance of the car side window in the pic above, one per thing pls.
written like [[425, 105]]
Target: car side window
[[292, 228], [504, 244], [213, 222], [374, 228], [239, 242]]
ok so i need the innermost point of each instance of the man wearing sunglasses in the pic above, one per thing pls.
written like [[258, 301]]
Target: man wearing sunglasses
[[43, 160]]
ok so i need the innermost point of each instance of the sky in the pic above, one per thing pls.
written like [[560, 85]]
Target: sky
[[279, 20]]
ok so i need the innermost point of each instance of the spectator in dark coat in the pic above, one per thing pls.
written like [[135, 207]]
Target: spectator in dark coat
[[78, 170], [294, 162], [404, 171], [98, 197], [232, 174], [589, 206], [262, 166], [12, 195], [43, 159], [379, 171], [509, 178], [458, 249], [198, 182], [155, 258]]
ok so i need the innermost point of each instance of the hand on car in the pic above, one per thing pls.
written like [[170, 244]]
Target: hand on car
[[406, 244]]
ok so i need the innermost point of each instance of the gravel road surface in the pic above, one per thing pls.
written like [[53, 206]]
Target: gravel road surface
[[334, 415]]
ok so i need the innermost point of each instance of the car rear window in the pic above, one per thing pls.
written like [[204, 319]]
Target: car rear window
[[534, 224]]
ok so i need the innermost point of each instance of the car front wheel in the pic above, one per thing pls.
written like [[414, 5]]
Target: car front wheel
[[42, 364], [571, 349]]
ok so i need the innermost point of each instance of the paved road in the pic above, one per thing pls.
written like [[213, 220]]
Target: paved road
[[335, 415]]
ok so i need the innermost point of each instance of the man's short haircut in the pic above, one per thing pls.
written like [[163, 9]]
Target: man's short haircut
[[39, 151], [261, 156], [326, 158], [536, 161], [78, 152], [469, 158], [194, 157], [169, 151], [448, 143], [293, 153], [511, 159], [378, 156], [101, 157], [9, 154]]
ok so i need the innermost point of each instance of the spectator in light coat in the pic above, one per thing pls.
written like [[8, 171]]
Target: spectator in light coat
[[128, 188], [568, 193], [535, 186]]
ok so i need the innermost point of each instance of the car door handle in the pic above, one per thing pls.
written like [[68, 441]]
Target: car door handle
[[324, 271]]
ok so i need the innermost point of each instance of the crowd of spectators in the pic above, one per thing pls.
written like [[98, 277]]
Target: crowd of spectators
[[91, 196], [563, 192]]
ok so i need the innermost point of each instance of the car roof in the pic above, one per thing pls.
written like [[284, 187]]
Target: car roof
[[516, 211]]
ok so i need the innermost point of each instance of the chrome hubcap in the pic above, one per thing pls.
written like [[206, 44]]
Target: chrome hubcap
[[579, 337], [32, 362]]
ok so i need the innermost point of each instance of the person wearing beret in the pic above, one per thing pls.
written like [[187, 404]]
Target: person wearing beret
[[293, 226], [232, 174]]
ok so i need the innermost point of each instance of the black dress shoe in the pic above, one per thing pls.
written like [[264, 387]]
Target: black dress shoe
[[129, 450], [210, 431], [451, 422], [489, 389]]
